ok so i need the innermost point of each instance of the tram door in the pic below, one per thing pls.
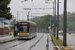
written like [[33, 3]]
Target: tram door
[[15, 30]]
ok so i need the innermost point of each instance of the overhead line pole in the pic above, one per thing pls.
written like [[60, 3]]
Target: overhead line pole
[[28, 16], [65, 23], [50, 23], [31, 17], [53, 17], [17, 15], [57, 19]]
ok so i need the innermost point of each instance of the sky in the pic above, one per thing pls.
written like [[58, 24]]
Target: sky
[[18, 5]]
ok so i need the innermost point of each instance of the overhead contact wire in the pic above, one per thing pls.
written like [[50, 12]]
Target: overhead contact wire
[[34, 6], [24, 6]]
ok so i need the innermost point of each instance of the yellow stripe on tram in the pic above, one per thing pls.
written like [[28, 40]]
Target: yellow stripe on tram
[[23, 34], [23, 23]]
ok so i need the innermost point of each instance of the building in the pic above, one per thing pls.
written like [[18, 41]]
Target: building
[[6, 26]]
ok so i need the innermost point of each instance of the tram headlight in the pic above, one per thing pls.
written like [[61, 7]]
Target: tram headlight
[[18, 34]]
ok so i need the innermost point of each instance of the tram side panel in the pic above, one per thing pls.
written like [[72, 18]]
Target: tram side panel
[[32, 30]]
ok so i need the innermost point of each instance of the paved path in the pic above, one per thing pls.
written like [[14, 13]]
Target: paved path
[[51, 46], [4, 38]]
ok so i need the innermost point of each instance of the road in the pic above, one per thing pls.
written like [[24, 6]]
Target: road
[[38, 42], [70, 40]]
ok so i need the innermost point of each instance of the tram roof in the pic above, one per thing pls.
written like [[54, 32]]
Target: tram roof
[[27, 21]]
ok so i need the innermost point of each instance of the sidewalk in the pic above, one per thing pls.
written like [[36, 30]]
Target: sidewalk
[[5, 38], [51, 46]]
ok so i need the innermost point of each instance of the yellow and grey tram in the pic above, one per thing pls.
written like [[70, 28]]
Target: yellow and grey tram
[[26, 30]]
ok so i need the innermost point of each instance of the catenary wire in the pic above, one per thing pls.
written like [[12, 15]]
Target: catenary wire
[[24, 6], [34, 5]]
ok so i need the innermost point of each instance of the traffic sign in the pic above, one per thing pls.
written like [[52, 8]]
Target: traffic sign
[[49, 27]]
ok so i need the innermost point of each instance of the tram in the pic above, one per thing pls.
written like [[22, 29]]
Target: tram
[[26, 29]]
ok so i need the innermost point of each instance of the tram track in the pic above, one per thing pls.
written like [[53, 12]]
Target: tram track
[[35, 43], [24, 42], [16, 44]]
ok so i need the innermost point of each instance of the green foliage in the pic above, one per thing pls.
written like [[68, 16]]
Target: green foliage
[[70, 21], [43, 22], [4, 9]]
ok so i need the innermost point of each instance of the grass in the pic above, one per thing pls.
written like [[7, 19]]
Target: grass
[[67, 48], [60, 43]]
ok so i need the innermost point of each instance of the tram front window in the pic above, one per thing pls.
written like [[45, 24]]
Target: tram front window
[[23, 29]]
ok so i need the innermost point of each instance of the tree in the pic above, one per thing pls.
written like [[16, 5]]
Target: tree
[[43, 22], [70, 21], [4, 9]]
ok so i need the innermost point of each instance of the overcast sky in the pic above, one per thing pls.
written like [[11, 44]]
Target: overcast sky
[[17, 5]]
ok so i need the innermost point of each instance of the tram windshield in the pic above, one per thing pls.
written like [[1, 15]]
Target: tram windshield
[[23, 28]]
